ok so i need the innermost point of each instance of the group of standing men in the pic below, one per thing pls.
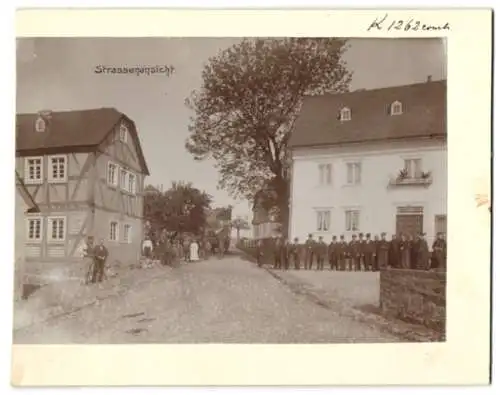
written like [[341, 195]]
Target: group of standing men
[[361, 253]]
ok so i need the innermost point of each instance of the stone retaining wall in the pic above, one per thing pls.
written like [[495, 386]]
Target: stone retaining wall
[[415, 296]]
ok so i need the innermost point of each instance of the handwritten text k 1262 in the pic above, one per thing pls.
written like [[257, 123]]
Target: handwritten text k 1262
[[388, 24]]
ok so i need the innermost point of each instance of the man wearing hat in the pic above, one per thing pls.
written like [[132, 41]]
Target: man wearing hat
[[361, 264], [295, 253], [382, 252], [354, 252], [341, 251], [332, 254], [421, 252], [277, 252], [439, 252], [369, 253], [321, 253], [309, 247]]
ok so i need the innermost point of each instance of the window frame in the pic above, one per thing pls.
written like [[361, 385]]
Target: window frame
[[417, 171], [128, 239], [27, 180], [117, 169], [325, 174], [123, 181], [353, 164], [123, 133], [50, 220], [131, 176], [348, 215], [40, 125], [397, 104], [50, 170], [117, 231], [34, 240], [343, 112], [323, 219]]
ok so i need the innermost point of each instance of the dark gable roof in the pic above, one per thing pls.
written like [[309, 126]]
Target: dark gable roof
[[71, 131], [424, 115]]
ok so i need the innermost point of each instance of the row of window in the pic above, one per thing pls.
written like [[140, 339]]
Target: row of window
[[119, 177], [396, 109], [114, 232], [56, 230], [122, 178], [323, 220], [57, 169], [413, 168], [58, 172]]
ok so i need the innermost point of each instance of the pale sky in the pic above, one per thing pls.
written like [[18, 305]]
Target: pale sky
[[58, 74]]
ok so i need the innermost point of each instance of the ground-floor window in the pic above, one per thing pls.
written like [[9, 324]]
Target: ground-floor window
[[127, 233], [56, 228], [34, 229], [352, 220], [440, 224], [113, 231], [322, 220]]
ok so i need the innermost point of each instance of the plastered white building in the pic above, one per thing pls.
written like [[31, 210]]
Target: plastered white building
[[370, 161]]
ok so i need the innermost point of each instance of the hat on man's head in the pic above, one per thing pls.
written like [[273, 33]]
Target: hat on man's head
[[310, 235], [368, 235]]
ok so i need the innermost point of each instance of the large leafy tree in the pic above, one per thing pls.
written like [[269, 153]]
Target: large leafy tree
[[249, 99], [180, 209]]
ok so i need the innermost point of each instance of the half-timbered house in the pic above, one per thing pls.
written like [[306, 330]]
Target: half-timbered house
[[85, 170]]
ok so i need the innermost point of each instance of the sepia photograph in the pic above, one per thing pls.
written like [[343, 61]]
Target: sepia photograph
[[230, 190]]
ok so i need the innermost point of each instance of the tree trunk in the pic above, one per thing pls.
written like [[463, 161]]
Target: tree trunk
[[237, 234], [282, 188]]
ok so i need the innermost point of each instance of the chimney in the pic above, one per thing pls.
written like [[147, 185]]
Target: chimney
[[429, 78], [47, 114]]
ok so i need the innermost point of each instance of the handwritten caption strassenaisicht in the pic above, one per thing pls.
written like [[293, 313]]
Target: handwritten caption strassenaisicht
[[388, 24], [135, 70]]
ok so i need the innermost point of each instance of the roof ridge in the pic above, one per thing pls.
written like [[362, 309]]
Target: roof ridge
[[335, 94], [71, 111]]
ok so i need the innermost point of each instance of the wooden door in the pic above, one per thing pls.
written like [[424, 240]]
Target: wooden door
[[409, 220]]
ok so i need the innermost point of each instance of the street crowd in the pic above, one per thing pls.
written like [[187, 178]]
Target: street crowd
[[361, 253], [172, 250]]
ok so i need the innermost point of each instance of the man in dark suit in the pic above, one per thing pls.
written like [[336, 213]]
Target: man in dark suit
[[332, 254], [100, 255], [309, 247], [368, 251]]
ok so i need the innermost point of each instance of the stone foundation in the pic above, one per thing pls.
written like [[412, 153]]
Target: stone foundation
[[415, 296]]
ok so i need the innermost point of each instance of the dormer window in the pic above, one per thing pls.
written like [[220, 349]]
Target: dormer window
[[345, 114], [396, 108], [123, 133], [40, 125]]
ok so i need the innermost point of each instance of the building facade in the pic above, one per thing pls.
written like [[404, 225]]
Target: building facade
[[85, 170], [24, 204], [264, 219], [371, 161]]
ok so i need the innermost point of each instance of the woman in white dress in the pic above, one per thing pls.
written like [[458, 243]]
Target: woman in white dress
[[193, 251]]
